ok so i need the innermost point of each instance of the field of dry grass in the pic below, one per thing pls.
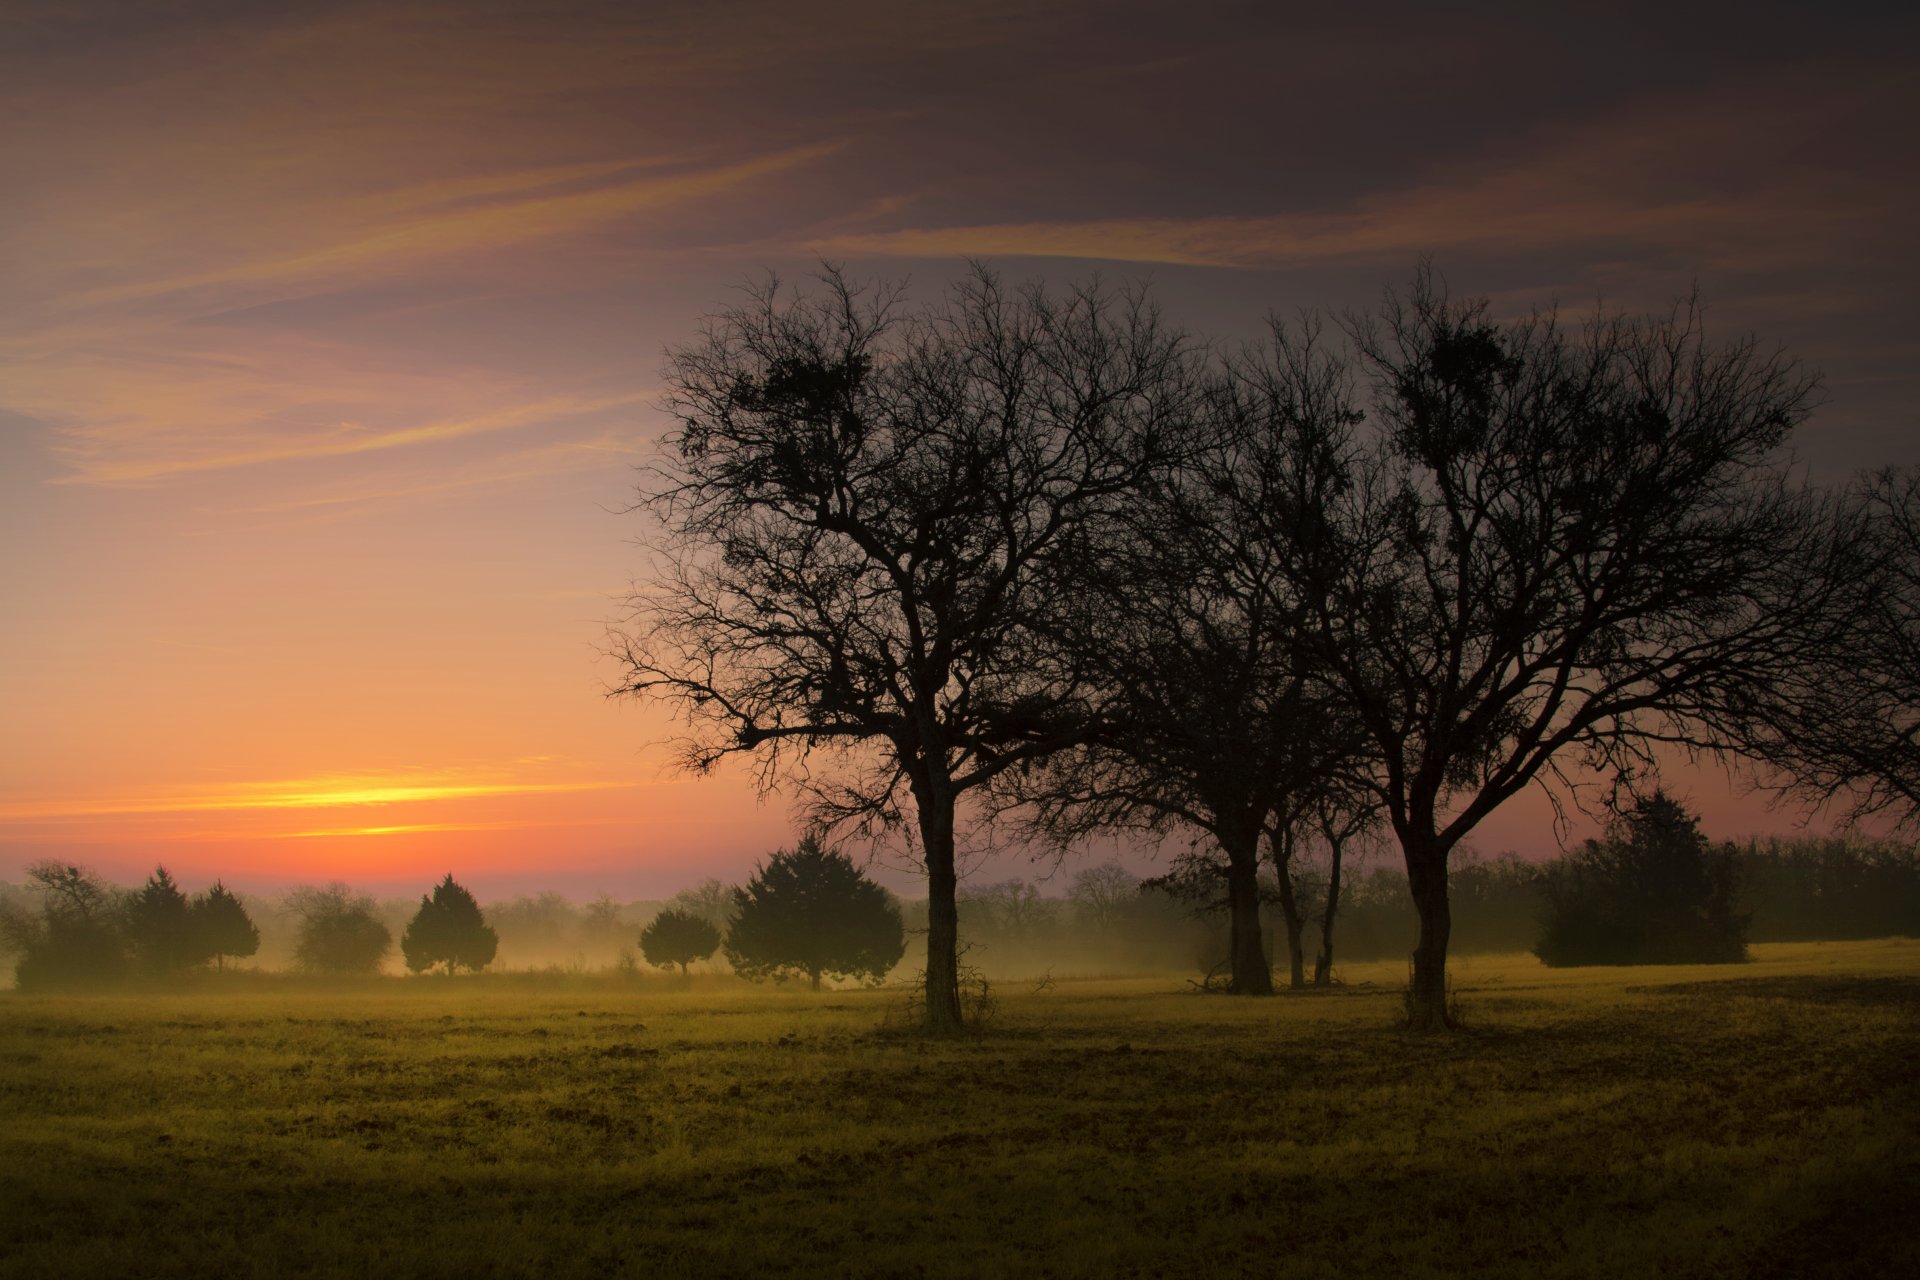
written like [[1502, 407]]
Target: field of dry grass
[[1730, 1121]]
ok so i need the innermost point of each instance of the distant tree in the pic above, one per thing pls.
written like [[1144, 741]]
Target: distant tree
[[1652, 892], [869, 522], [76, 938], [600, 922], [711, 900], [340, 932], [678, 937], [222, 927], [810, 911], [1006, 910], [534, 926], [160, 927], [1102, 895], [450, 929]]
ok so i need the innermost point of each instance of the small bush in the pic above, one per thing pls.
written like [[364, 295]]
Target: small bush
[[1652, 892]]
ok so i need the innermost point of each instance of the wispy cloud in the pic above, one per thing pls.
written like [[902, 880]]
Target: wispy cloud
[[101, 467], [1634, 181], [476, 215]]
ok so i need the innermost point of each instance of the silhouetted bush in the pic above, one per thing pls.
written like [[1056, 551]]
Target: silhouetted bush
[[448, 929], [1652, 892], [160, 927], [222, 926], [809, 911], [339, 932], [75, 938], [676, 937]]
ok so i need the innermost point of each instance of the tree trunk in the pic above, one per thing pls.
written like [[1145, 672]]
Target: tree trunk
[[1323, 963], [1427, 878], [1282, 847], [1247, 956], [813, 976], [935, 801]]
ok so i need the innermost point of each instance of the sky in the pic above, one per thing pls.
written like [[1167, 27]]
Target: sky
[[331, 337]]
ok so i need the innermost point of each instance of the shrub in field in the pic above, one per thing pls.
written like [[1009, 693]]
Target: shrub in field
[[677, 937], [339, 933], [812, 912], [75, 937], [160, 927], [222, 926], [1652, 892], [450, 929]]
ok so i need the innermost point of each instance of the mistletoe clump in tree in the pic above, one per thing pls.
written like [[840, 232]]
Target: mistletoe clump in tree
[[449, 929], [677, 937], [810, 911]]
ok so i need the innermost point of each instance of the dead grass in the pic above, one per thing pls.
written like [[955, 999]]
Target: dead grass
[[1674, 1121]]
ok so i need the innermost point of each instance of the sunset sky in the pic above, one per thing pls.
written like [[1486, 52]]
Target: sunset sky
[[330, 336]]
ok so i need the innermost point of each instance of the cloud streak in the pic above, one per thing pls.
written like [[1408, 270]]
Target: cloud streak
[[342, 791], [511, 215], [106, 469]]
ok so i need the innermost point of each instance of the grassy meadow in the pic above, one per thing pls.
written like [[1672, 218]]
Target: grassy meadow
[[1724, 1121]]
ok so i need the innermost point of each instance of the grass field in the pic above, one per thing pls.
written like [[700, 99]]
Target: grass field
[[1732, 1121]]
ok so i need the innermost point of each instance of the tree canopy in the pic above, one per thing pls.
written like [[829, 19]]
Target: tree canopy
[[809, 911], [1654, 891], [868, 521], [449, 928], [223, 926], [340, 932], [676, 937]]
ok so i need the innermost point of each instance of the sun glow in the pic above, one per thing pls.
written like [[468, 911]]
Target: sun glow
[[338, 791]]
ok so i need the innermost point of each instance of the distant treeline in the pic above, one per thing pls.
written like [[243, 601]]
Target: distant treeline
[[1103, 919]]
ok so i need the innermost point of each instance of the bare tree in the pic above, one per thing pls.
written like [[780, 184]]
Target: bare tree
[[1847, 729], [1220, 722], [1342, 816], [1560, 543], [869, 521], [1101, 895]]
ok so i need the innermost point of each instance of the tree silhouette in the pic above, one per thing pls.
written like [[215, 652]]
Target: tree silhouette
[[76, 938], [448, 929], [678, 937], [868, 525], [1218, 721], [810, 911], [1558, 544], [222, 926], [160, 927], [340, 933], [1653, 892], [1846, 728]]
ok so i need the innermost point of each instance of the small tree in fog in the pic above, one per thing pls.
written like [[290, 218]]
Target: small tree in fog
[[75, 938], [810, 911], [222, 926], [159, 924], [677, 937], [1653, 892], [449, 929], [1102, 895], [340, 933], [711, 900]]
